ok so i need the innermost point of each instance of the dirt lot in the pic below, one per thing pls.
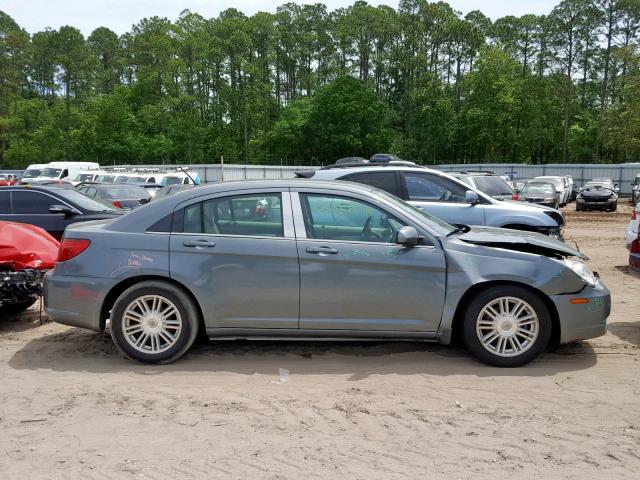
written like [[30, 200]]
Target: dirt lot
[[71, 407]]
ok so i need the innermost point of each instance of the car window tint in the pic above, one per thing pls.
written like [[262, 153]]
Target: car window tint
[[4, 202], [383, 180], [331, 217], [244, 215], [493, 185], [433, 188], [25, 203]]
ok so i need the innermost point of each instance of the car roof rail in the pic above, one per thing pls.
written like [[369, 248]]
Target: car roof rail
[[393, 163]]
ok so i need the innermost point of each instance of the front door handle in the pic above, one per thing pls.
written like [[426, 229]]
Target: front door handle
[[199, 243], [321, 250]]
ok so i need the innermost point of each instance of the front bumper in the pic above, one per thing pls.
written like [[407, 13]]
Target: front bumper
[[606, 205], [75, 301], [586, 320]]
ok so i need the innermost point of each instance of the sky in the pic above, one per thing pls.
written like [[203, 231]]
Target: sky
[[120, 15]]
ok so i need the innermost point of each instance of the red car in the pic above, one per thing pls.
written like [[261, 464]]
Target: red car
[[26, 253], [8, 180]]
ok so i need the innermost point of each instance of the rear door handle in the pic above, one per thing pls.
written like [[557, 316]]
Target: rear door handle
[[321, 250], [200, 243]]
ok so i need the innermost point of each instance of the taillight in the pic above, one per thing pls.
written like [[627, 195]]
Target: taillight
[[634, 215], [635, 245], [515, 196], [72, 247], [116, 203]]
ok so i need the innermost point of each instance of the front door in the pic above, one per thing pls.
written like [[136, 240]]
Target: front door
[[354, 277], [238, 256]]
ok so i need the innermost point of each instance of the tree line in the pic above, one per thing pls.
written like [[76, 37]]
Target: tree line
[[309, 85]]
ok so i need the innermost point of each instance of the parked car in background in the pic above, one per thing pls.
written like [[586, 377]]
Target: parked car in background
[[85, 176], [542, 193], [561, 184], [635, 190], [62, 171], [631, 233], [106, 177], [519, 184], [291, 259], [598, 194], [51, 208], [7, 179], [171, 189], [181, 177], [126, 197], [152, 188], [447, 198], [493, 185], [34, 170]]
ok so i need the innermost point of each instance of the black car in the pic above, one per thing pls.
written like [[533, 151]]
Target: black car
[[598, 194], [51, 208], [126, 197]]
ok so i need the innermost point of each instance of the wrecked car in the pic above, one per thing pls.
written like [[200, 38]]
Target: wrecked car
[[327, 260], [26, 253]]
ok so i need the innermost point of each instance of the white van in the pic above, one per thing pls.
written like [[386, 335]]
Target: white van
[[64, 170], [33, 171]]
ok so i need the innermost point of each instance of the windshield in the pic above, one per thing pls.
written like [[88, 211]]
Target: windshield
[[125, 192], [591, 185], [83, 177], [51, 172], [556, 181], [493, 186], [33, 173], [136, 180], [88, 203], [105, 178], [171, 180], [544, 188], [439, 226], [121, 179]]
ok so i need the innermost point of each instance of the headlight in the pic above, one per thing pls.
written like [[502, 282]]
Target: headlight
[[549, 199], [580, 268]]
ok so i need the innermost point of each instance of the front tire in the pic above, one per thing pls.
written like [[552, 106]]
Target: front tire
[[506, 326], [154, 322]]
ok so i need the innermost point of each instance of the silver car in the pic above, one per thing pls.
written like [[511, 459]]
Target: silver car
[[447, 197], [303, 259]]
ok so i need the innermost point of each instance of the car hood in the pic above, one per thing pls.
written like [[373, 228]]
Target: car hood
[[520, 241], [529, 206], [597, 193]]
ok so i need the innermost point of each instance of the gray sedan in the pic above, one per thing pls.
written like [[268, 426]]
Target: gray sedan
[[303, 259]]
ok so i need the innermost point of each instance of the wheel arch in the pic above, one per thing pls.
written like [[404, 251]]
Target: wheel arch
[[458, 317], [120, 287]]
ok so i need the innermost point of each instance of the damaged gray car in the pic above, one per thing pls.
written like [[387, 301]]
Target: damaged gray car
[[302, 260]]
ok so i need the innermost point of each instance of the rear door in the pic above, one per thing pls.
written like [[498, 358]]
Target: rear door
[[353, 276], [441, 197], [237, 253]]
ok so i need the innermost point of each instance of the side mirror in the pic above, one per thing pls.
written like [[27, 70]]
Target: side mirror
[[471, 197], [67, 211], [407, 236]]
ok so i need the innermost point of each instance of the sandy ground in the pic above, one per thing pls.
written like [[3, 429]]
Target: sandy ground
[[72, 407]]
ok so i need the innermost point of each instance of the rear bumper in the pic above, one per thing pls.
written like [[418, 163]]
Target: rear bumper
[[75, 301], [583, 321]]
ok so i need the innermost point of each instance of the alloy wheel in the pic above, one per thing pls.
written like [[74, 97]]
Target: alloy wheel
[[507, 326], [151, 324]]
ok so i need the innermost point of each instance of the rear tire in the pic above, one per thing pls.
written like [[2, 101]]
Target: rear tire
[[154, 322], [506, 326]]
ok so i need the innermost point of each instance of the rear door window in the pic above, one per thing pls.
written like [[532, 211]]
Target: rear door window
[[32, 203], [426, 187], [244, 215], [386, 181]]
